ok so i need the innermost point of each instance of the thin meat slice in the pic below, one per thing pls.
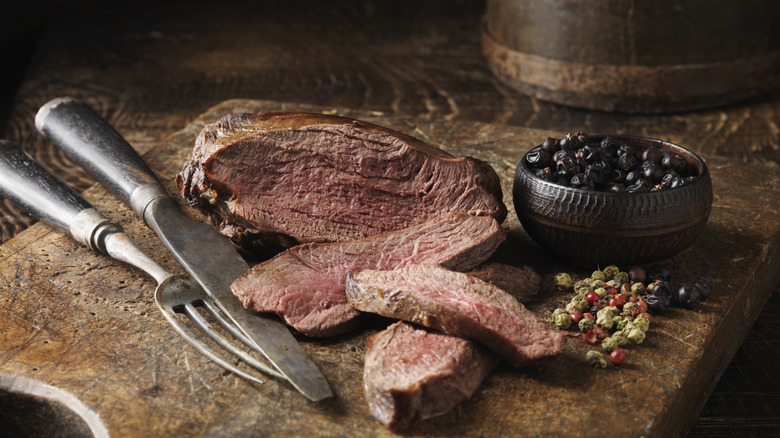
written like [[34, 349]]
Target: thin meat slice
[[458, 304], [285, 177], [412, 374], [306, 284]]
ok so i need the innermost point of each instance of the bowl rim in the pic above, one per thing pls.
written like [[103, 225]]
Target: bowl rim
[[702, 175]]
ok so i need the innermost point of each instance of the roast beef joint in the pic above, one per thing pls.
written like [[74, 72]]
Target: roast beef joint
[[287, 178]]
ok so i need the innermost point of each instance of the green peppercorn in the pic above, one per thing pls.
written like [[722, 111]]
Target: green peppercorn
[[636, 336], [601, 292], [610, 271], [571, 307], [595, 283], [622, 277], [613, 283], [611, 310], [598, 275], [559, 311], [605, 316], [630, 308], [638, 288], [580, 302], [563, 321], [620, 337], [642, 324], [563, 281], [609, 344], [595, 359], [582, 287], [586, 324], [619, 323]]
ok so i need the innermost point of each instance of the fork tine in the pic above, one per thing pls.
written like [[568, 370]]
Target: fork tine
[[202, 347], [199, 321], [227, 325]]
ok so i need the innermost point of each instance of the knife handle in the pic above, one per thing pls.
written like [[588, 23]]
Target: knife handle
[[26, 183], [89, 141]]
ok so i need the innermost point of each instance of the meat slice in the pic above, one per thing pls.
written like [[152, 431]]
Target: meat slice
[[522, 282], [412, 374], [458, 304], [290, 178], [306, 284]]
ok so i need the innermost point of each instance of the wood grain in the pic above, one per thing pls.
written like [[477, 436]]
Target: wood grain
[[151, 67], [95, 333]]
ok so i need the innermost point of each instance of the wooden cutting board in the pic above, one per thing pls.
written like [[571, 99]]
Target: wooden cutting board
[[83, 346]]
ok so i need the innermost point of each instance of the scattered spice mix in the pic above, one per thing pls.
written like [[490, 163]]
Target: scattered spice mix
[[615, 308]]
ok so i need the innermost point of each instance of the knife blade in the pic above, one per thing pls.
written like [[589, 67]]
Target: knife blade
[[89, 141]]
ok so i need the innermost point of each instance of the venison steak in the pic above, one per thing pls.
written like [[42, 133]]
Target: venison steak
[[412, 374], [286, 178], [306, 284], [458, 304]]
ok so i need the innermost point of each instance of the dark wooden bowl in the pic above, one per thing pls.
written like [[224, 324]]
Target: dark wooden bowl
[[596, 228]]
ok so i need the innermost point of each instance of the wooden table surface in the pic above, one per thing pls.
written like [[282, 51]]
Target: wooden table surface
[[152, 68]]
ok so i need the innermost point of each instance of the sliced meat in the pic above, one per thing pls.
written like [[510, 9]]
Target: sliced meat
[[298, 177], [412, 374], [457, 304], [520, 281], [305, 284]]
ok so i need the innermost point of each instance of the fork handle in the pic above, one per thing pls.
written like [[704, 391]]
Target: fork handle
[[28, 184], [90, 141]]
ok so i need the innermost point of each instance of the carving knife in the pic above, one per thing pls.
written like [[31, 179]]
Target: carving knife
[[210, 258]]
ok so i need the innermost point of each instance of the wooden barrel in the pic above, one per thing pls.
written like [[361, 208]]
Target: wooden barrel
[[635, 56]]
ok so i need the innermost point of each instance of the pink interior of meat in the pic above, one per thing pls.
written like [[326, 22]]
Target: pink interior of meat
[[343, 179]]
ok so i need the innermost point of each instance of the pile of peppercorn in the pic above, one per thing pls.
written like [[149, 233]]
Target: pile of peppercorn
[[615, 308], [575, 160]]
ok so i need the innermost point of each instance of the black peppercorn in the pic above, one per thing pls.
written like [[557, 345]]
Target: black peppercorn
[[628, 162], [570, 142], [567, 165], [561, 154], [539, 158], [598, 174], [618, 175], [577, 180], [677, 182], [674, 161], [640, 186], [575, 160], [659, 272], [633, 177], [589, 153], [652, 154], [689, 296], [663, 288], [653, 172], [657, 304], [551, 145], [546, 174]]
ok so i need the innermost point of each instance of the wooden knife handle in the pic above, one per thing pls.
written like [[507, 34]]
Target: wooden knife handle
[[89, 141], [28, 184]]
